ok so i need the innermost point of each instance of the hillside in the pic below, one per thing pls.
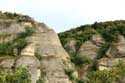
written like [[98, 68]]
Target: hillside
[[98, 51], [30, 52]]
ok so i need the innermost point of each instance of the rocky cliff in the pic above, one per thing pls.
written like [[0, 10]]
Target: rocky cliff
[[31, 52], [24, 41], [97, 51]]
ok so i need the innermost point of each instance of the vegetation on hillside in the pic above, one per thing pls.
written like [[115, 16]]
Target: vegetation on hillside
[[14, 16], [116, 74], [20, 42], [21, 75], [109, 31]]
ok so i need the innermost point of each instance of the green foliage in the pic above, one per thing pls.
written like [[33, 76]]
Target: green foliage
[[81, 81], [41, 80], [69, 73], [77, 34], [28, 32], [21, 75], [119, 71], [39, 57], [7, 48], [116, 74], [101, 77], [102, 51], [42, 77], [43, 72], [20, 44], [80, 60], [20, 41], [15, 16], [109, 30]]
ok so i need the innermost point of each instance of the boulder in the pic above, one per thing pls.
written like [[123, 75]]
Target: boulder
[[97, 39], [118, 49], [108, 63], [88, 49], [71, 46]]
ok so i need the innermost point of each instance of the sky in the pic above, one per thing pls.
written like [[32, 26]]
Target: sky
[[62, 15]]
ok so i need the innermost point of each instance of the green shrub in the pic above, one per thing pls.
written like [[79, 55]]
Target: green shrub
[[21, 75], [102, 51], [80, 60], [28, 32], [81, 81], [42, 77], [116, 74], [15, 16], [9, 15], [21, 44], [39, 57], [7, 48], [104, 76], [119, 71], [108, 30], [70, 72]]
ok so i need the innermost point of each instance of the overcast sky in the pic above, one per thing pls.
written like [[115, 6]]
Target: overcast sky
[[65, 14]]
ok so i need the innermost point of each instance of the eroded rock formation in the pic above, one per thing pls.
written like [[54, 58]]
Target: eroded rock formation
[[43, 52]]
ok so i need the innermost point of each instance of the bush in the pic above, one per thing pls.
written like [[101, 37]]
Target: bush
[[80, 60], [81, 81], [116, 74], [6, 48], [21, 75], [109, 30], [102, 51], [28, 32], [119, 71], [104, 76], [71, 74], [42, 77], [21, 44]]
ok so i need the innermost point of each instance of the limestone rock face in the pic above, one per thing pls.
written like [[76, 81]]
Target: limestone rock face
[[53, 55], [29, 50], [48, 45], [12, 27], [108, 63], [54, 71], [44, 42], [32, 64], [97, 40], [6, 64], [88, 49], [118, 50], [71, 46], [9, 64]]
